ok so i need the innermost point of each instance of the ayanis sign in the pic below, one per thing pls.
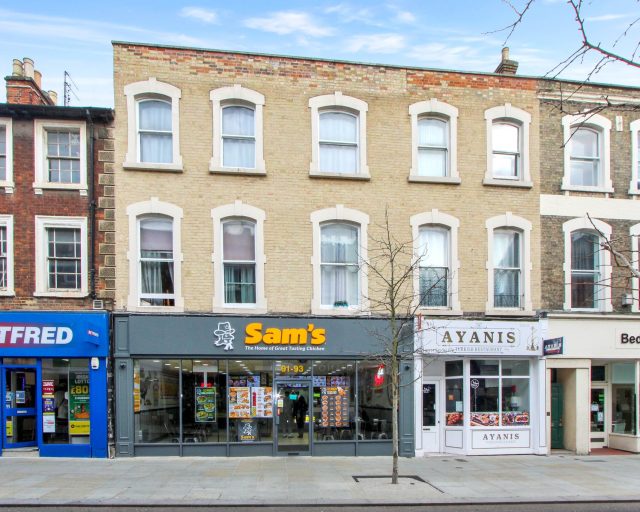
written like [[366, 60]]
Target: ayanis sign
[[479, 338]]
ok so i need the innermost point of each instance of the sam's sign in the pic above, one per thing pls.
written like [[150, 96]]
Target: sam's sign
[[258, 336]]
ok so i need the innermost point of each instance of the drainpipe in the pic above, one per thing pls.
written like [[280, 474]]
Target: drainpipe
[[92, 209]]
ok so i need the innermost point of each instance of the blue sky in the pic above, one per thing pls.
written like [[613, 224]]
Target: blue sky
[[453, 34]]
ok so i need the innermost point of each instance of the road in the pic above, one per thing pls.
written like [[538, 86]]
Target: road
[[453, 507]]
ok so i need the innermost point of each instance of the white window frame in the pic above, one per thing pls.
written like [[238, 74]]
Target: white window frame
[[338, 102], [600, 124], [584, 224], [238, 210], [338, 214], [6, 221], [145, 90], [8, 183], [41, 180], [509, 221], [437, 218], [237, 95], [43, 223], [150, 208], [439, 110], [521, 119], [634, 126], [634, 232]]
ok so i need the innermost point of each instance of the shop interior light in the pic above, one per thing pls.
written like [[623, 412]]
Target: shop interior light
[[156, 360], [167, 364], [197, 361]]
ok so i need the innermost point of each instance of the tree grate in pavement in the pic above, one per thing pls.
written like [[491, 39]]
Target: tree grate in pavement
[[417, 478]]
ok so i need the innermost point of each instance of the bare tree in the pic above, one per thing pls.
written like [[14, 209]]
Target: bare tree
[[392, 267]]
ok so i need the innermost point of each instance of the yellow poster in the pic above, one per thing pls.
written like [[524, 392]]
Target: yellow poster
[[9, 428], [136, 392], [79, 428]]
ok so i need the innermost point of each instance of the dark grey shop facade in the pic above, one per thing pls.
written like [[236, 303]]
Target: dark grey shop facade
[[209, 385]]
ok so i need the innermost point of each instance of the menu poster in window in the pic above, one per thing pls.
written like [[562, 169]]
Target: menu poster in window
[[205, 404], [48, 407], [239, 402], [334, 407], [262, 402], [338, 381], [79, 423], [319, 381]]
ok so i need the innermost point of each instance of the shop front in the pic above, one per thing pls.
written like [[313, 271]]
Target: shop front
[[481, 387], [53, 370], [594, 374], [206, 385]]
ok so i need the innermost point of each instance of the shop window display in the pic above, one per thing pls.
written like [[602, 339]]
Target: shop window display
[[66, 415], [454, 394], [374, 409], [334, 415], [624, 398], [204, 405], [250, 398], [156, 400], [499, 393]]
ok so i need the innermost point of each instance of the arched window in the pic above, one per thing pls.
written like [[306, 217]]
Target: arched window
[[339, 248], [155, 256], [434, 137], [435, 274], [338, 136], [586, 153], [237, 131], [153, 114], [507, 146]]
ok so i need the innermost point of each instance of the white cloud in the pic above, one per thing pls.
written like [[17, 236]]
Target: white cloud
[[200, 14], [348, 14], [59, 28], [376, 43], [454, 57], [607, 17], [405, 17], [289, 22]]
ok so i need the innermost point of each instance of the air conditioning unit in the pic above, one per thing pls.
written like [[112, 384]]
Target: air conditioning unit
[[98, 304], [627, 299]]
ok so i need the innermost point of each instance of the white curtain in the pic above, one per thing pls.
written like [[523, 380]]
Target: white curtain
[[432, 147], [238, 137], [433, 252], [156, 253], [338, 142], [155, 131], [239, 254], [506, 273], [584, 158], [339, 271], [506, 149]]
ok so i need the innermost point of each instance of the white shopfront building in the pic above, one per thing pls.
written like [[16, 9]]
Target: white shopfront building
[[481, 387], [595, 380]]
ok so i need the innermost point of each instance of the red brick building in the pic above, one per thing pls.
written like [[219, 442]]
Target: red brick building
[[56, 201]]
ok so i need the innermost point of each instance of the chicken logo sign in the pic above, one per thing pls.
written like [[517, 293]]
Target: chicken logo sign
[[224, 335]]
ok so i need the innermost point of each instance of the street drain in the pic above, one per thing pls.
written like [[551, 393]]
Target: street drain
[[417, 478]]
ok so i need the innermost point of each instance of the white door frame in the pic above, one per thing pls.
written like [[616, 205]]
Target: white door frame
[[607, 422], [437, 429]]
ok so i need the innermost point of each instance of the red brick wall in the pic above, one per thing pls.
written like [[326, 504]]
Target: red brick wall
[[24, 205]]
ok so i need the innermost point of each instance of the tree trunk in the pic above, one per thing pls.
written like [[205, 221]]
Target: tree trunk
[[394, 415]]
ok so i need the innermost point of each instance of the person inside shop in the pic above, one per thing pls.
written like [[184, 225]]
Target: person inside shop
[[287, 415], [62, 409], [300, 413]]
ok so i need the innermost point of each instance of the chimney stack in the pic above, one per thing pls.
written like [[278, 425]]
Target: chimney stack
[[506, 66], [24, 85]]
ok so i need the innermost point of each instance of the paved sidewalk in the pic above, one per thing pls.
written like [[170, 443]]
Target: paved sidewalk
[[318, 480]]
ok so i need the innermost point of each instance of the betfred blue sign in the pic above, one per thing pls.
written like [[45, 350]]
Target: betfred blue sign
[[49, 334]]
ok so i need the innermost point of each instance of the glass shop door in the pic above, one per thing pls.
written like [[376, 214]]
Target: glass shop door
[[598, 417], [293, 417], [19, 411]]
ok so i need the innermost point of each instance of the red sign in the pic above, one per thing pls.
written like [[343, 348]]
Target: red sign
[[48, 388], [378, 379]]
